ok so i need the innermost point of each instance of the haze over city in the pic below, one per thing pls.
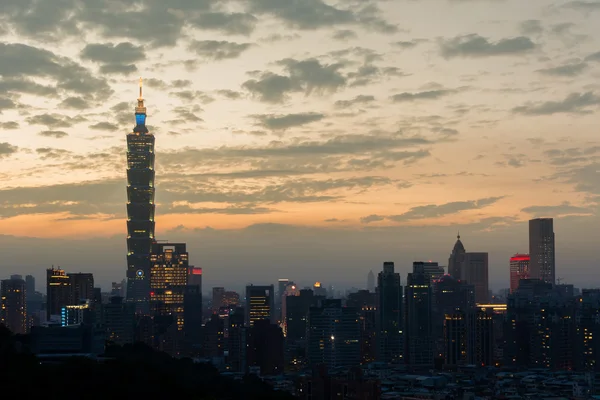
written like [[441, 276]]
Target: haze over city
[[310, 142]]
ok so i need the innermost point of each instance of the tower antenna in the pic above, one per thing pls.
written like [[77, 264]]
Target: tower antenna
[[141, 84]]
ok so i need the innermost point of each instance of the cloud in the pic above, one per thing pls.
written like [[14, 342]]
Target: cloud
[[593, 57], [403, 44], [54, 134], [110, 53], [76, 103], [20, 61], [6, 104], [283, 122], [372, 218], [477, 46], [228, 23], [307, 14], [344, 35], [104, 126], [118, 69], [427, 95], [218, 50], [436, 211], [7, 149], [47, 153], [568, 70], [54, 120], [584, 5], [575, 103], [562, 209], [531, 27], [308, 76], [9, 125], [358, 100]]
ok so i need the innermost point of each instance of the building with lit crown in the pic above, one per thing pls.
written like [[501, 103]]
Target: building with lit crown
[[140, 208], [519, 269]]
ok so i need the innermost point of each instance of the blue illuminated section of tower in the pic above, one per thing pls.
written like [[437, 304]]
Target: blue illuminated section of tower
[[140, 209]]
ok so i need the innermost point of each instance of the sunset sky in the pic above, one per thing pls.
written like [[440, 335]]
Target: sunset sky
[[301, 139]]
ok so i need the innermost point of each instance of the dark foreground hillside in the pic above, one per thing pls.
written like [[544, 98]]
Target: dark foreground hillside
[[134, 372]]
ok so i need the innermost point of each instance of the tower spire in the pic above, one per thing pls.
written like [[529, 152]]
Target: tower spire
[[141, 84], [457, 235]]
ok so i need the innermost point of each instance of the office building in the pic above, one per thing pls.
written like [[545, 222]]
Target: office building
[[118, 318], [58, 292], [319, 289], [418, 321], [456, 258], [333, 335], [260, 304], [519, 269], [30, 283], [542, 264], [390, 321], [264, 347], [140, 208], [474, 271], [169, 268], [296, 314], [82, 287], [13, 305], [469, 338], [76, 314], [371, 281], [217, 299], [429, 268], [193, 311]]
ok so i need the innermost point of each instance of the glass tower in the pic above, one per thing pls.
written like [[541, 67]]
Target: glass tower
[[140, 208]]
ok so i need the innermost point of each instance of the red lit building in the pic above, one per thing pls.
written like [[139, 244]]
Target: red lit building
[[519, 269]]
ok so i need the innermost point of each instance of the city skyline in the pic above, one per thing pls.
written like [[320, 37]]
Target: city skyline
[[333, 157]]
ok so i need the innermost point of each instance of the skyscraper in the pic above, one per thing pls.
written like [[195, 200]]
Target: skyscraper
[[474, 271], [419, 327], [519, 269], [58, 291], [260, 304], [390, 317], [371, 281], [13, 305], [456, 258], [140, 208], [541, 249]]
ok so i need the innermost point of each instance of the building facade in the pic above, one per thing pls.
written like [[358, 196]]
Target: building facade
[[140, 208], [519, 269], [13, 305], [260, 304], [474, 271], [542, 264], [390, 315]]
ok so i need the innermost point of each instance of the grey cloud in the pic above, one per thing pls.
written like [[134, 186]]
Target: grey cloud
[[306, 76], [7, 149], [435, 211], [53, 120], [358, 100], [218, 50], [104, 126], [584, 5], [428, 95], [573, 103], [186, 114], [76, 103], [372, 218], [571, 155], [230, 94], [110, 53], [308, 14], [344, 35], [193, 95], [54, 134], [477, 46], [6, 104], [531, 27], [20, 61], [231, 24], [593, 57], [118, 69], [46, 21], [403, 44], [47, 153], [569, 70], [563, 209], [9, 125], [283, 122], [22, 85]]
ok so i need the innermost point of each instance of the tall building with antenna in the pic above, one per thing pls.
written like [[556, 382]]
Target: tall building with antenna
[[140, 208]]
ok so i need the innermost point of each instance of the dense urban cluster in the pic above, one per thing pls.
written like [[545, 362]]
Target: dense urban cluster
[[441, 334]]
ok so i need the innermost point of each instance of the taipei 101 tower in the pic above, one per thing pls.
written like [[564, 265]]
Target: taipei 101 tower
[[140, 209]]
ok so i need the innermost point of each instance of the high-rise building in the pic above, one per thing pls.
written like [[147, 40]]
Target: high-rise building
[[30, 283], [456, 258], [260, 304], [217, 298], [371, 281], [519, 269], [169, 266], [58, 291], [264, 347], [193, 311], [474, 270], [419, 326], [118, 319], [82, 287], [541, 250], [430, 268], [390, 315], [140, 208], [13, 305], [76, 314], [333, 335], [296, 314]]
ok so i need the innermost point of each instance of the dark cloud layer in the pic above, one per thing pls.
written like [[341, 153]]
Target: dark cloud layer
[[478, 46]]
